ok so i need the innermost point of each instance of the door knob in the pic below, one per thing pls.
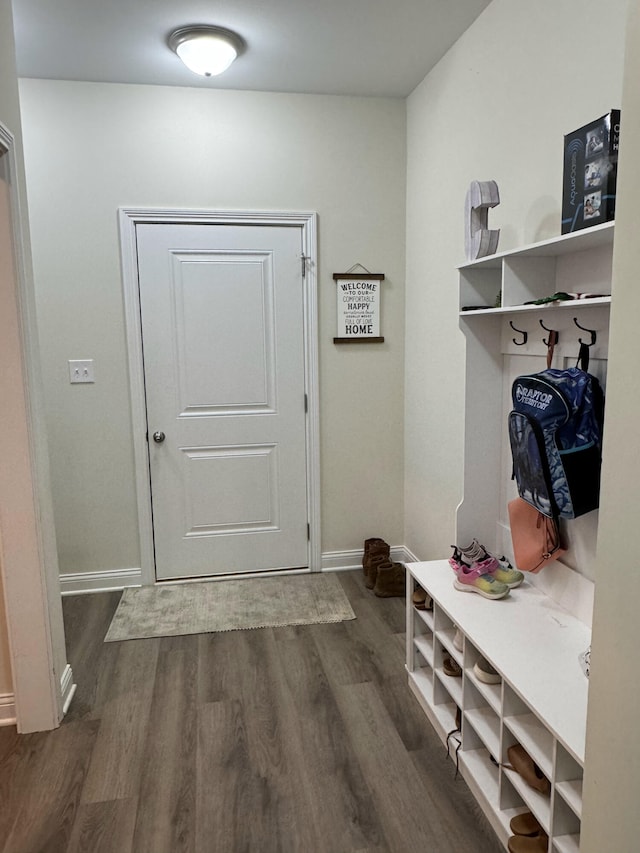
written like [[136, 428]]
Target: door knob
[[158, 437]]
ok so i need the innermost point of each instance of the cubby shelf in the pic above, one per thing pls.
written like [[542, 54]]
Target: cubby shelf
[[540, 703], [511, 279], [535, 636]]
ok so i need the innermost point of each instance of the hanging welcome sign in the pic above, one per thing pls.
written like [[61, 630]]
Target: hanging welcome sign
[[358, 307]]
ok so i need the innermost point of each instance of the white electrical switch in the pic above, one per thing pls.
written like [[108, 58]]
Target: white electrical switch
[[81, 370]]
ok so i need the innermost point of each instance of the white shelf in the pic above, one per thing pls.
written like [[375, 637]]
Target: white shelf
[[575, 263], [491, 692], [422, 680], [487, 726], [426, 616], [535, 636], [567, 844], [571, 793], [452, 685], [539, 804], [445, 637], [424, 644], [530, 309], [529, 637], [540, 703], [564, 244], [535, 738]]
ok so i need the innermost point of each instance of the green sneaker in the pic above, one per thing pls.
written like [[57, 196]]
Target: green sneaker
[[475, 580]]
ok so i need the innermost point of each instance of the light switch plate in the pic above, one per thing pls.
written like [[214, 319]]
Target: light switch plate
[[81, 370]]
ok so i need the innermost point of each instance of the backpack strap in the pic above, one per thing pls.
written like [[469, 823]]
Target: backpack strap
[[583, 358], [553, 340]]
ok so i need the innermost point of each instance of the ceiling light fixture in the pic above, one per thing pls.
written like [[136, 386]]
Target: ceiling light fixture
[[206, 50]]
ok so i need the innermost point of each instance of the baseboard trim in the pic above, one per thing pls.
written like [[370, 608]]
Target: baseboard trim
[[343, 561], [81, 583], [409, 556], [7, 709], [104, 581], [67, 688]]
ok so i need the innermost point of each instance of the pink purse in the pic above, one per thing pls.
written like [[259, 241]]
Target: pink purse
[[535, 537]]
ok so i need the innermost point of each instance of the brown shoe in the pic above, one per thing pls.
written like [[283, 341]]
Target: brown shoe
[[451, 667], [367, 547], [375, 552], [523, 764], [525, 824], [421, 601], [390, 580], [522, 844]]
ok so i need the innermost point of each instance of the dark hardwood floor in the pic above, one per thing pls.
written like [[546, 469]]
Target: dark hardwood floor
[[287, 740]]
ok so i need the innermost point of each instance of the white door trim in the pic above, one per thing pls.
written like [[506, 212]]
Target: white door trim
[[129, 219], [31, 586]]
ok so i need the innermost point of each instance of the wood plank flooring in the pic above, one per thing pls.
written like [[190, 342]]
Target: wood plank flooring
[[285, 740]]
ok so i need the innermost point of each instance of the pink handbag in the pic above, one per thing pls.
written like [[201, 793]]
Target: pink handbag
[[535, 537]]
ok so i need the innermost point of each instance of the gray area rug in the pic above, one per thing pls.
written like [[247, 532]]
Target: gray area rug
[[228, 605]]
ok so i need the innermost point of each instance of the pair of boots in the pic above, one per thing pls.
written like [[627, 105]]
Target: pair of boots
[[384, 577]]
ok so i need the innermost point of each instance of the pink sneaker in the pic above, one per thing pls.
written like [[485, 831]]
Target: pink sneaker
[[474, 579], [501, 569]]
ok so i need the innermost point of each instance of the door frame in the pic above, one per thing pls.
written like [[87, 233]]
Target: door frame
[[129, 219], [42, 680]]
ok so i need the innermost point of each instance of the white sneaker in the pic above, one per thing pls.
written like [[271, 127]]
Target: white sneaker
[[458, 639], [484, 672]]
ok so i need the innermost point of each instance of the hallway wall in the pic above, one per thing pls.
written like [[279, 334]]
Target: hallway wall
[[497, 107], [91, 148], [27, 537]]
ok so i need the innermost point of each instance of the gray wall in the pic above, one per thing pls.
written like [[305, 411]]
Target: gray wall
[[91, 148], [497, 107]]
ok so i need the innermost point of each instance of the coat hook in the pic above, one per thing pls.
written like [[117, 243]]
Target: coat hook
[[525, 335], [554, 337], [591, 332]]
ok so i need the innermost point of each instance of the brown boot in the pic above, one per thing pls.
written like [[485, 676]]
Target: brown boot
[[522, 844], [367, 548], [525, 824], [390, 580], [375, 552]]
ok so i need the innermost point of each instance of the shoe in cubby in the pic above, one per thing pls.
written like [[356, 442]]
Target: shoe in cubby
[[484, 672], [524, 844]]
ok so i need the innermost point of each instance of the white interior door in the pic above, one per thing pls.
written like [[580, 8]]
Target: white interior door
[[223, 344]]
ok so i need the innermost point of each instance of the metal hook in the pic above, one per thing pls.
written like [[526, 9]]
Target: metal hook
[[554, 337], [591, 332], [525, 335]]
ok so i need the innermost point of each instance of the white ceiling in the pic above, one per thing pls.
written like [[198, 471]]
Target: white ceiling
[[345, 47]]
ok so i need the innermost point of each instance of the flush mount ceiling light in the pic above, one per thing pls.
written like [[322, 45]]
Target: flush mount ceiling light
[[206, 50]]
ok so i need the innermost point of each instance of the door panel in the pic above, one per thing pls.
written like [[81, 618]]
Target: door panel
[[221, 312]]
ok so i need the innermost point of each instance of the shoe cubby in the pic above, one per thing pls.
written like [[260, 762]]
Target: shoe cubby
[[420, 655], [481, 287], [482, 718], [569, 781], [480, 772], [511, 804], [445, 632], [539, 702], [525, 728], [492, 693], [536, 802], [533, 637], [447, 688], [423, 638], [566, 828]]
